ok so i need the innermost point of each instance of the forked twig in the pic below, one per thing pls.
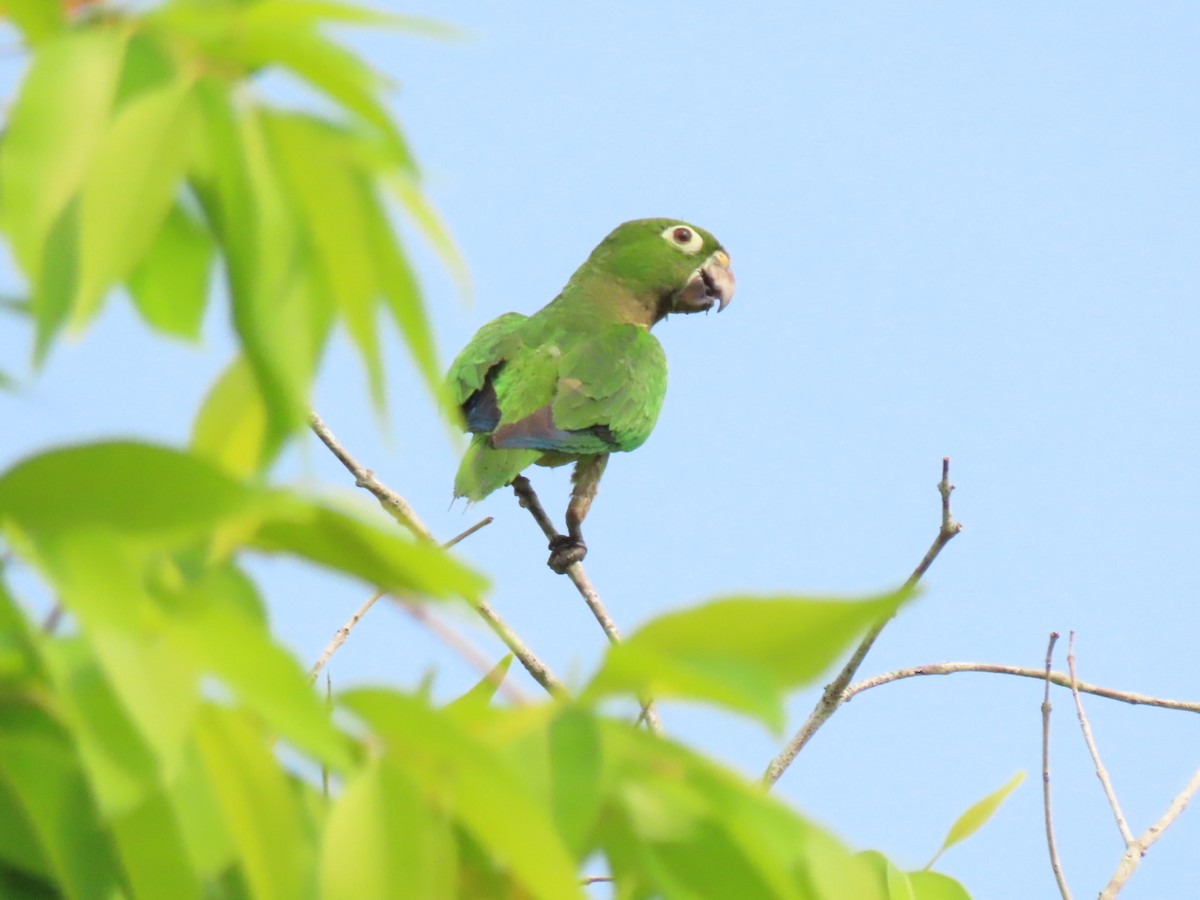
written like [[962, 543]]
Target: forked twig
[[1137, 849], [834, 693]]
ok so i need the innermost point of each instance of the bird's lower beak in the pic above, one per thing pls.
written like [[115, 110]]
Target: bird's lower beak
[[711, 283]]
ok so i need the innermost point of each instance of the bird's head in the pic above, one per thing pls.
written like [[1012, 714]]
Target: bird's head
[[677, 266]]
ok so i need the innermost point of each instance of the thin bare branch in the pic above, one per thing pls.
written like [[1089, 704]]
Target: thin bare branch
[[53, 619], [406, 516], [392, 502], [339, 636], [582, 584], [1101, 772], [537, 669], [1135, 851], [1057, 678], [1055, 864], [834, 693], [528, 499], [462, 536]]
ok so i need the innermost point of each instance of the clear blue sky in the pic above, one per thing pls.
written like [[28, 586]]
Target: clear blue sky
[[958, 229]]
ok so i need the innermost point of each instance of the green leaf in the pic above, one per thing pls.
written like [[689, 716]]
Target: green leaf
[[936, 886], [148, 65], [210, 846], [121, 768], [381, 558], [742, 653], [170, 285], [18, 654], [431, 226], [382, 839], [332, 205], [238, 188], [221, 638], [55, 287], [479, 697], [19, 846], [57, 122], [152, 849], [894, 882], [476, 786], [575, 776], [101, 577], [134, 489], [834, 873], [230, 430], [978, 813], [327, 67], [129, 188], [403, 299], [675, 824], [273, 294], [166, 499], [315, 12], [258, 806], [38, 768], [221, 180], [37, 19]]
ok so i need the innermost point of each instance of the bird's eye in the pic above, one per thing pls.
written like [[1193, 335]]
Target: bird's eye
[[683, 237]]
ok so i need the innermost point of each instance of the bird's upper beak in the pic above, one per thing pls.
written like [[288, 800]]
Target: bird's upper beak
[[712, 282]]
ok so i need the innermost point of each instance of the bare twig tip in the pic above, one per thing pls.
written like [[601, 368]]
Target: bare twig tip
[[834, 694]]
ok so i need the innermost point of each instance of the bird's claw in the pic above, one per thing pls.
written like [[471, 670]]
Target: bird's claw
[[565, 551]]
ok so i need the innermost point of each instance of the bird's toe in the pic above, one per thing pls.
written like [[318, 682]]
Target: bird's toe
[[565, 552]]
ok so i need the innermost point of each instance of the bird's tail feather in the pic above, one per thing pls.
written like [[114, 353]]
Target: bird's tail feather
[[484, 468]]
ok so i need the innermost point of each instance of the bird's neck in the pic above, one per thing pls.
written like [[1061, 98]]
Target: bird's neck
[[611, 299]]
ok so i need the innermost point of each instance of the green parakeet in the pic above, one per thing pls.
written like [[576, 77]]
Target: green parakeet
[[583, 377]]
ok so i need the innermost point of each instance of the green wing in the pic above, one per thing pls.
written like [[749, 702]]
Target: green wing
[[600, 393], [496, 341], [611, 385], [483, 468]]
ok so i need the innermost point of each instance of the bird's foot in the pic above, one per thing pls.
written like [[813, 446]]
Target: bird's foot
[[565, 551]]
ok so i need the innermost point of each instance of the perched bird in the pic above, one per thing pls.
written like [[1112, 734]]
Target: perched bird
[[583, 377]]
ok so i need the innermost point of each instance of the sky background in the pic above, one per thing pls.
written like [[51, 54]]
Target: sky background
[[964, 230]]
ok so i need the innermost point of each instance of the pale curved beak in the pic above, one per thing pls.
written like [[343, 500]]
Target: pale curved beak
[[711, 284]]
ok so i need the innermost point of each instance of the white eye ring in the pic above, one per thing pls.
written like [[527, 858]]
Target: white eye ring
[[685, 237]]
